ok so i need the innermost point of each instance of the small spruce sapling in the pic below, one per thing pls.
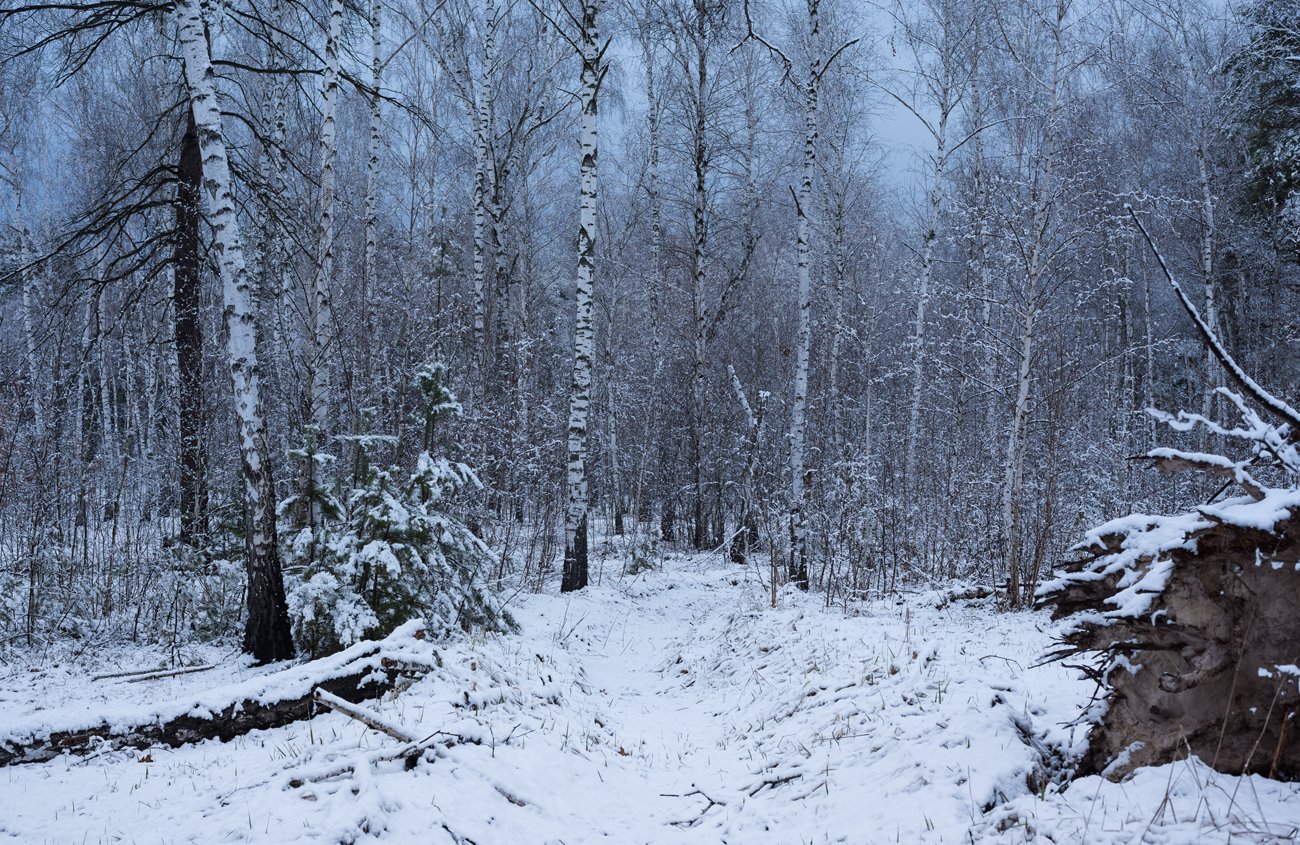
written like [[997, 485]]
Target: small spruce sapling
[[323, 606], [400, 555], [306, 516]]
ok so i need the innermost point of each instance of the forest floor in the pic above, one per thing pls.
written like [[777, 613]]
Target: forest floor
[[675, 707]]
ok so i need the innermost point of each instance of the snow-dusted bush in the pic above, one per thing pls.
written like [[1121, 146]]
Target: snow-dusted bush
[[397, 555]]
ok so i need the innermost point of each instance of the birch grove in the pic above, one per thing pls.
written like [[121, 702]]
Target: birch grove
[[850, 289]]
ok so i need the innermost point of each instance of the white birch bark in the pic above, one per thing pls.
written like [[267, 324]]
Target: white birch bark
[[483, 143], [370, 270], [575, 522], [652, 464], [31, 295], [699, 265], [1148, 385], [656, 201], [372, 160], [798, 567], [836, 208], [321, 400], [1035, 266], [746, 534], [1208, 236], [267, 634]]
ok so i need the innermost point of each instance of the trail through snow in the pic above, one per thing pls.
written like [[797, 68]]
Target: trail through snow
[[673, 707]]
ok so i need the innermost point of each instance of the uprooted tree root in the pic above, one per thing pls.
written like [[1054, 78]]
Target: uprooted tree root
[[1205, 668]]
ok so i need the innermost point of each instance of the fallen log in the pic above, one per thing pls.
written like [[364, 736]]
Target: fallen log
[[363, 671]]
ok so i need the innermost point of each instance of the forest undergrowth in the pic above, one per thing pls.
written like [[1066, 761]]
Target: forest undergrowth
[[674, 705]]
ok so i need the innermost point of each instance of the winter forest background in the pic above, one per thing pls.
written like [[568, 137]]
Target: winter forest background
[[851, 279]]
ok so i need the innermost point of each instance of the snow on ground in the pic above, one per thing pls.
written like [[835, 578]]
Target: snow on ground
[[672, 707]]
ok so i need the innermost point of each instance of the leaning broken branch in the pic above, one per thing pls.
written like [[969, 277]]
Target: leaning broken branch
[[1284, 411], [1172, 461], [369, 718]]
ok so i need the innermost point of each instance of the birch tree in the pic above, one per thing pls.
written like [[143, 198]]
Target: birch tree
[[938, 37], [266, 634], [320, 398], [818, 64], [1043, 61], [584, 37], [370, 271]]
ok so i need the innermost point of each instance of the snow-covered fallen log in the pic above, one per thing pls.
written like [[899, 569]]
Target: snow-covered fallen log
[[363, 671]]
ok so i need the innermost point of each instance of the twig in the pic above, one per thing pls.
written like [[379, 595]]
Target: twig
[[713, 802], [774, 782], [149, 674]]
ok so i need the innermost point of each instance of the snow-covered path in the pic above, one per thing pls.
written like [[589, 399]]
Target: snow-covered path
[[674, 707]]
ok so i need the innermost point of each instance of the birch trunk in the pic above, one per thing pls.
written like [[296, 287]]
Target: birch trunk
[[483, 142], [983, 238], [1015, 462], [699, 268], [575, 522], [371, 272], [656, 284], [1035, 266], [746, 536], [107, 429], [656, 202], [798, 564], [933, 208], [276, 278], [30, 295], [266, 634], [320, 399], [1208, 234], [834, 407]]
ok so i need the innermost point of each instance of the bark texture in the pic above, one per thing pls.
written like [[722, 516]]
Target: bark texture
[[189, 338]]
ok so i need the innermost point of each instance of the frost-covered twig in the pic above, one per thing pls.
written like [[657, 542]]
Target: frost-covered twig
[[713, 802], [1268, 400]]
